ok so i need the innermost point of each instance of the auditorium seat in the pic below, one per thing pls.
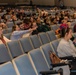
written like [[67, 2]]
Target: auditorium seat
[[47, 49], [7, 69], [14, 48], [51, 35], [54, 27], [26, 44], [55, 45], [44, 38], [40, 63], [4, 54], [10, 24], [24, 66], [35, 41]]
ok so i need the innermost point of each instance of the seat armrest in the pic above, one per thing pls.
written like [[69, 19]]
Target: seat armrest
[[73, 72], [68, 57], [49, 72], [59, 64]]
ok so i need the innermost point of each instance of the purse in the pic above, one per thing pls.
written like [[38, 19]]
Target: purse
[[54, 58]]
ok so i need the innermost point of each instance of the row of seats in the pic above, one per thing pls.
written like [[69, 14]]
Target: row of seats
[[9, 26], [53, 27], [36, 62], [7, 31], [24, 45], [42, 38], [45, 37], [17, 50]]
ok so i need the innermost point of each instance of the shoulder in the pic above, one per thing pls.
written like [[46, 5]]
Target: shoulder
[[62, 41], [15, 32]]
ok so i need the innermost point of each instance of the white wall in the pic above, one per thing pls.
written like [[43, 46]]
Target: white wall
[[38, 2], [70, 3], [44, 2]]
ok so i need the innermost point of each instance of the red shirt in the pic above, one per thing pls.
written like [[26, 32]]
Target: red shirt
[[63, 26]]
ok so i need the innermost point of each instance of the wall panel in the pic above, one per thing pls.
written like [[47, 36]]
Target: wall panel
[[70, 3], [38, 2]]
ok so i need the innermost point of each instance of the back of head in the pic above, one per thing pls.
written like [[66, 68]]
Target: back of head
[[26, 21], [64, 31]]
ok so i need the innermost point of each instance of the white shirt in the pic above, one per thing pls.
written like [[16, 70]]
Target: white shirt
[[66, 48]]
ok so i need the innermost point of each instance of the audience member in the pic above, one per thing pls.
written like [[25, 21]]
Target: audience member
[[3, 39], [17, 33], [66, 46]]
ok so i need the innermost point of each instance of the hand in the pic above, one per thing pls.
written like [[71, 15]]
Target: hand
[[34, 28]]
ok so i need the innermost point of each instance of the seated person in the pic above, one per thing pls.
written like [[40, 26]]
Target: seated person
[[17, 33], [64, 24], [3, 25], [53, 21], [66, 46], [26, 23], [3, 39], [34, 25]]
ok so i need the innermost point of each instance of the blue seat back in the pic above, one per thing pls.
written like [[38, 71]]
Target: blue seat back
[[26, 44], [39, 60], [35, 41], [55, 44], [24, 65], [44, 38], [14, 48], [4, 55], [51, 35], [7, 69], [47, 49]]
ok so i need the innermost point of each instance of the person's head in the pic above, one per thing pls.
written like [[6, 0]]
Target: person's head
[[64, 21], [21, 27], [26, 21], [3, 25], [74, 15], [54, 21], [14, 18], [34, 24], [66, 18], [66, 33], [62, 12], [38, 20], [15, 28]]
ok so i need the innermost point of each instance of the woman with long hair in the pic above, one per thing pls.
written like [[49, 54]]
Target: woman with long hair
[[66, 46]]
